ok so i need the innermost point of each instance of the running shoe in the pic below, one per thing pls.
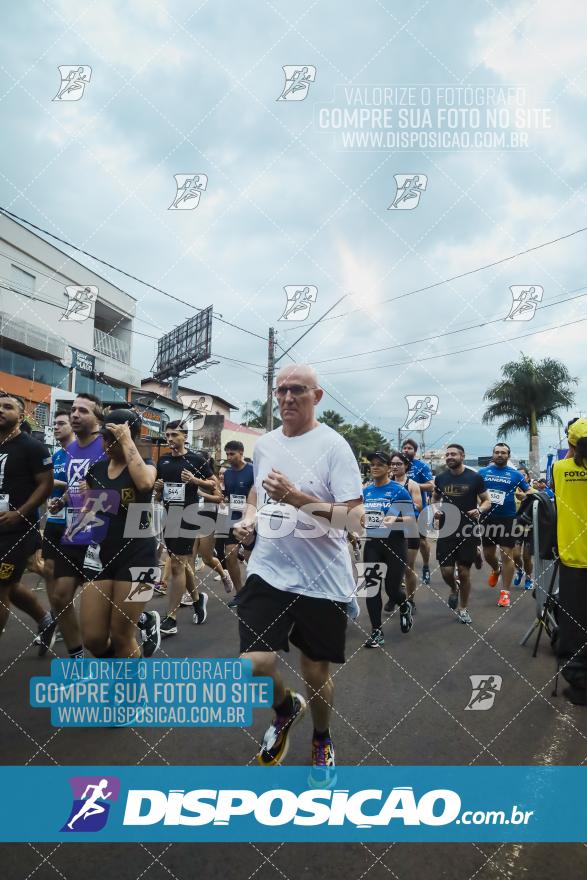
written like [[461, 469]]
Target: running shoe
[[199, 563], [453, 601], [504, 599], [413, 604], [464, 616], [478, 559], [200, 613], [160, 589], [426, 575], [323, 772], [186, 600], [276, 740], [47, 635], [233, 602], [528, 583], [227, 582], [494, 577], [405, 617], [169, 627], [518, 577], [375, 640], [389, 606], [150, 627]]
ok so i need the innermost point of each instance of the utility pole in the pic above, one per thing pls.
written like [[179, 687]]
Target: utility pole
[[270, 379], [399, 439]]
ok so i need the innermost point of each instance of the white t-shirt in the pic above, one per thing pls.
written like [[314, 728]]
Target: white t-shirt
[[319, 463]]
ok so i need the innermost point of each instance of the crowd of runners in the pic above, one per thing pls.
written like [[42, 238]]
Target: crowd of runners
[[293, 537]]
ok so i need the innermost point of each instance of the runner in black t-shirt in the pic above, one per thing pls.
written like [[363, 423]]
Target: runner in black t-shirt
[[180, 476], [121, 570], [26, 480], [465, 490]]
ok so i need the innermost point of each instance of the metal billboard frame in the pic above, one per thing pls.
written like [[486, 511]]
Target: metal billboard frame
[[185, 346]]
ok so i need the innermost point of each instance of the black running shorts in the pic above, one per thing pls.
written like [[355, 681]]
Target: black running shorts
[[52, 534], [270, 618], [450, 551], [15, 549], [500, 531]]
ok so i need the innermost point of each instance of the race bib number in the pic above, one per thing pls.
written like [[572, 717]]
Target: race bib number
[[4, 502], [271, 508], [59, 515], [373, 519], [238, 502], [92, 559], [174, 492], [497, 496], [223, 510]]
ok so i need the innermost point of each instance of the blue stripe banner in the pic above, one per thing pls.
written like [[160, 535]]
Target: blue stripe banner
[[230, 804]]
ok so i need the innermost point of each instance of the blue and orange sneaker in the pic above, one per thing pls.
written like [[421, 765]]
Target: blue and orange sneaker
[[275, 742]]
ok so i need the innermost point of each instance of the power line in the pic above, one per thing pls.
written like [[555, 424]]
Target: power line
[[293, 345], [461, 274], [127, 274], [460, 351], [356, 354]]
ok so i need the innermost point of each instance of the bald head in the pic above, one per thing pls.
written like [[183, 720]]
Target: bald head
[[302, 374], [297, 394]]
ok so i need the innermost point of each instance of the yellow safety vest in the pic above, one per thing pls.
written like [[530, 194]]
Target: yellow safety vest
[[570, 488]]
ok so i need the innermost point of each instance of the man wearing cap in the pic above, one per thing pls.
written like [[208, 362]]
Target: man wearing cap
[[569, 477], [388, 513]]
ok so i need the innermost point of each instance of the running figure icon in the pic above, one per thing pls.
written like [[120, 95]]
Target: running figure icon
[[409, 189], [91, 807], [90, 515], [485, 688]]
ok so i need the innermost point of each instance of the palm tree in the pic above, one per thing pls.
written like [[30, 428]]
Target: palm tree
[[256, 416], [528, 395]]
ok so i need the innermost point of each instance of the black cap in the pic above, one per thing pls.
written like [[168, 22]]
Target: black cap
[[119, 417], [385, 457]]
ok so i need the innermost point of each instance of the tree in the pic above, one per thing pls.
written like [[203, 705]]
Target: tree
[[256, 416], [361, 438], [528, 395]]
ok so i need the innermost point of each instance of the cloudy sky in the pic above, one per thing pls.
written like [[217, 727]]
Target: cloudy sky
[[180, 87]]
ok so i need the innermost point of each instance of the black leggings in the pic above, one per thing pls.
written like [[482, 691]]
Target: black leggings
[[392, 553], [572, 621]]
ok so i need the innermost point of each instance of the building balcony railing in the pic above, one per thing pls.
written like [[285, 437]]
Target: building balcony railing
[[111, 346]]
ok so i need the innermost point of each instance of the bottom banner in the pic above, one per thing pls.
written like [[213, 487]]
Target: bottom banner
[[224, 804]]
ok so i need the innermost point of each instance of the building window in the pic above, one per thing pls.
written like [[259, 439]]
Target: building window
[[22, 282], [38, 369], [42, 414], [106, 391]]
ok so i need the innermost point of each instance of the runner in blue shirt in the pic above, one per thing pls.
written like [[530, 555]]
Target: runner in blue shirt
[[499, 526], [421, 473], [238, 480], [55, 524], [389, 520]]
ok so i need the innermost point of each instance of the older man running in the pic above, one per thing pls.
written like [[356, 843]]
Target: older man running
[[300, 580]]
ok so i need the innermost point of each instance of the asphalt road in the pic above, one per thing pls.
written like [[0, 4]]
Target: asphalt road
[[404, 704]]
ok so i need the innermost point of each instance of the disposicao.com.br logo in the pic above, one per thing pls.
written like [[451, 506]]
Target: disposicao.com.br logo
[[92, 796], [281, 807]]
